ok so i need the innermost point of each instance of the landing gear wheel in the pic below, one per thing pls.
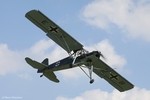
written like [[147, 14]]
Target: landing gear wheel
[[41, 75], [91, 81]]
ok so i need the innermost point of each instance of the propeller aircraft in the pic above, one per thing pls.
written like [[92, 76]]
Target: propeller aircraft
[[78, 56]]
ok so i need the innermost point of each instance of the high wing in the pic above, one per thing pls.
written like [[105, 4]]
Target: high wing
[[53, 31], [110, 75]]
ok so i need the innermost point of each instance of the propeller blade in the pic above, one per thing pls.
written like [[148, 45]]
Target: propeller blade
[[101, 55]]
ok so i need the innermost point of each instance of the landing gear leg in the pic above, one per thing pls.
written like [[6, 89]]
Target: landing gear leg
[[90, 72]]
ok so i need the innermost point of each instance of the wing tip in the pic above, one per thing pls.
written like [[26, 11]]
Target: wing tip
[[123, 90], [34, 10]]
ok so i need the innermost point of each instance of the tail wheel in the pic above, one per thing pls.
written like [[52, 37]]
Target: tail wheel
[[41, 75]]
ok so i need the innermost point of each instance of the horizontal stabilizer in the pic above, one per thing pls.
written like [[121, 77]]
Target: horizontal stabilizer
[[35, 64], [50, 75]]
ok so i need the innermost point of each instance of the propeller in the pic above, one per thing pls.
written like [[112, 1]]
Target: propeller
[[101, 55]]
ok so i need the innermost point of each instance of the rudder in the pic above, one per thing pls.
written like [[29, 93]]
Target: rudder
[[45, 61]]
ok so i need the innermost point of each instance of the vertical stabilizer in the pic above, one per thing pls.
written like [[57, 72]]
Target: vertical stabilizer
[[45, 61]]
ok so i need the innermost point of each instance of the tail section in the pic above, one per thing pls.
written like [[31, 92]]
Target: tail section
[[43, 68]]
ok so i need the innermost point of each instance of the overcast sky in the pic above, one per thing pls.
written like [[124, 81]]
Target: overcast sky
[[120, 29]]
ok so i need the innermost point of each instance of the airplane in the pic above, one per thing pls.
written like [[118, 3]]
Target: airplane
[[78, 56]]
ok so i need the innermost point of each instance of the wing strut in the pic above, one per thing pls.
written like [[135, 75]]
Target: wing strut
[[66, 44], [90, 72], [63, 43]]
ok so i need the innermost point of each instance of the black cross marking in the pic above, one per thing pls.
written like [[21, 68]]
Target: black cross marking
[[114, 76], [53, 29]]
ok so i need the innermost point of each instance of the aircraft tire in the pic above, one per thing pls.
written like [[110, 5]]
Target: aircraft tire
[[41, 75], [91, 81]]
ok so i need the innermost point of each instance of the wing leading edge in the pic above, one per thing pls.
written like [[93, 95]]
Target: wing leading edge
[[111, 76], [53, 31]]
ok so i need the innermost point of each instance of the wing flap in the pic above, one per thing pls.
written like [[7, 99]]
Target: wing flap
[[53, 31], [111, 76]]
